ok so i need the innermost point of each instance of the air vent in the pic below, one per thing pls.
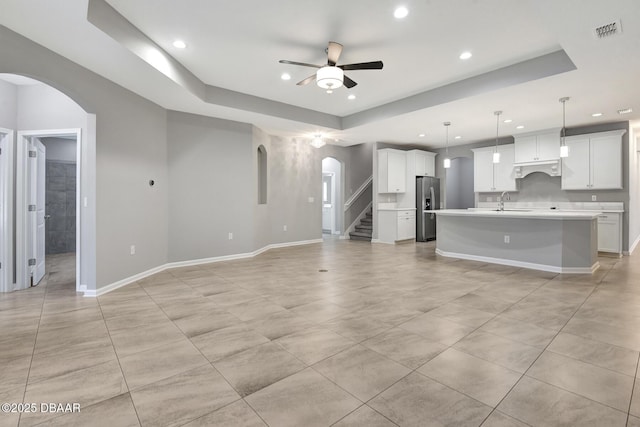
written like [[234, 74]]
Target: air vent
[[608, 30], [625, 111]]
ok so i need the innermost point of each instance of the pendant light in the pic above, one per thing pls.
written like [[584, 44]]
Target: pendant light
[[496, 154], [564, 148], [447, 160]]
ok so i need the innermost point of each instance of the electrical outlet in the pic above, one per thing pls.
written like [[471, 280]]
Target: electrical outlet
[[594, 198], [133, 250], [230, 236], [284, 228], [311, 199], [489, 199], [507, 238]]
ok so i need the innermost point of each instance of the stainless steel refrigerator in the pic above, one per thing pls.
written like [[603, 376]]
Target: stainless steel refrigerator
[[427, 198]]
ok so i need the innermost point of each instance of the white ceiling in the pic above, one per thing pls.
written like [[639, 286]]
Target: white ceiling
[[236, 45]]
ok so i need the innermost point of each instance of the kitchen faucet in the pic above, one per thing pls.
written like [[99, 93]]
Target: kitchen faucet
[[501, 200]]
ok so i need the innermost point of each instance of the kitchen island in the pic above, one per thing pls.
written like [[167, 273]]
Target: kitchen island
[[559, 242]]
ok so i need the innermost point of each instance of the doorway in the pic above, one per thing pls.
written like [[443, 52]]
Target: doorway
[[459, 184], [47, 203], [6, 217], [331, 197]]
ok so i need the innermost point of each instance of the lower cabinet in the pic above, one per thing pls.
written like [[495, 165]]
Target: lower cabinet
[[395, 225], [610, 232]]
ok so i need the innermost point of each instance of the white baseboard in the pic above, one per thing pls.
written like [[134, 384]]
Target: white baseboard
[[633, 246], [522, 264], [120, 283]]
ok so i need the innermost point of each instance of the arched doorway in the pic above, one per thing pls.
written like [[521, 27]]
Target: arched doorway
[[332, 197], [45, 200]]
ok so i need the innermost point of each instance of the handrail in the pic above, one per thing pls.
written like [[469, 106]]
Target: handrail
[[358, 192]]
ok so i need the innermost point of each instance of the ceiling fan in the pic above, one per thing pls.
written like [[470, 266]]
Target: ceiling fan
[[331, 76]]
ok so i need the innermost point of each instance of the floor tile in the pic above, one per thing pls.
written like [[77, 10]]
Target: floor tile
[[362, 372], [183, 397], [11, 395], [279, 324], [117, 411], [602, 385], [419, 401], [303, 399], [526, 333], [199, 324], [356, 327], [236, 414], [501, 351], [257, 367], [364, 416], [498, 419], [319, 311], [406, 348], [162, 362], [437, 329], [627, 336], [85, 386], [460, 313], [314, 344], [597, 353], [482, 380], [227, 341], [634, 409], [537, 403]]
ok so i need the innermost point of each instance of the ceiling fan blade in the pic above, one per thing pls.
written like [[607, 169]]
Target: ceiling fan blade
[[374, 65], [333, 53], [304, 64], [307, 80], [348, 83]]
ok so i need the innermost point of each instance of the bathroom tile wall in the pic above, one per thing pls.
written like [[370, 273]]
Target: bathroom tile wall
[[61, 207]]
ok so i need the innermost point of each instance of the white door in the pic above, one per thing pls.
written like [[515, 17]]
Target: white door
[[37, 182]]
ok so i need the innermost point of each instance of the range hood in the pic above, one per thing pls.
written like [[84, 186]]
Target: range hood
[[550, 167]]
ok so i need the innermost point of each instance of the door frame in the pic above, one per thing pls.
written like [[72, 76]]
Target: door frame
[[6, 218], [22, 170]]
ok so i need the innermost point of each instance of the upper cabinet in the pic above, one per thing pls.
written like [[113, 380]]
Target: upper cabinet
[[392, 171], [594, 162], [423, 161], [537, 147], [494, 177]]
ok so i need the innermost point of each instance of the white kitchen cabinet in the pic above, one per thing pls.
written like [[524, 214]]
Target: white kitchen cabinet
[[494, 177], [594, 162], [610, 232], [424, 162], [392, 171], [396, 225], [541, 146]]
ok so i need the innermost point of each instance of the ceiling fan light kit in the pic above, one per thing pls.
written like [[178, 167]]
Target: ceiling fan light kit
[[329, 77]]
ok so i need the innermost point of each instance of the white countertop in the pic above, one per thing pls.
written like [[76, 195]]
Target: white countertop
[[530, 214], [396, 209]]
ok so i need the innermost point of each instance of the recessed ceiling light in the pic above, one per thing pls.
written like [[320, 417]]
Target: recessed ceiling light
[[508, 121], [351, 97], [458, 137], [465, 55], [179, 44], [421, 135], [596, 114], [401, 12], [519, 127], [285, 76], [625, 111]]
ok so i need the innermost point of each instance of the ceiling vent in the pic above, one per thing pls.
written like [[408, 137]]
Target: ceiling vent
[[608, 30]]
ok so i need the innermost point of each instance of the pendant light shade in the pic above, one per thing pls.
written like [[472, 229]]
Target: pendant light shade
[[496, 154], [564, 149], [447, 160]]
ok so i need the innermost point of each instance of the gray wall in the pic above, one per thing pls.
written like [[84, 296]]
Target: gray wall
[[211, 187], [459, 184], [130, 148], [8, 100]]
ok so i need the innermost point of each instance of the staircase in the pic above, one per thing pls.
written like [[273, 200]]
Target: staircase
[[364, 229]]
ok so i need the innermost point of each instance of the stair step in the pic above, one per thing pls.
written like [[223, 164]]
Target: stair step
[[366, 221], [362, 227], [363, 239], [360, 234]]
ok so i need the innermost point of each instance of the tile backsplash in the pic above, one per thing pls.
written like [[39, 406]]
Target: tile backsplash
[[60, 205]]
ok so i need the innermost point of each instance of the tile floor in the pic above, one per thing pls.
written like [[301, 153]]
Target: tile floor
[[388, 335]]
